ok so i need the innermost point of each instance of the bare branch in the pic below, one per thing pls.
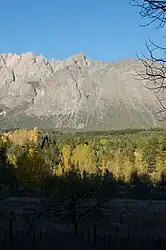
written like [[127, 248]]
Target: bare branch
[[153, 72], [154, 10]]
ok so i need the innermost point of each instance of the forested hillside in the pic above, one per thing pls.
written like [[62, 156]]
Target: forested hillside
[[125, 155]]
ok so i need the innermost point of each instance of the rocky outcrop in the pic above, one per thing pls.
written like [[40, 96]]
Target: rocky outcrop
[[74, 93]]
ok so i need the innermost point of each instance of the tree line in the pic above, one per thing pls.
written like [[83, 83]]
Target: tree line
[[36, 154]]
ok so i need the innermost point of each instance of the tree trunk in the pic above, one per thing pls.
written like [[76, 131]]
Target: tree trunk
[[32, 222], [75, 228], [75, 223]]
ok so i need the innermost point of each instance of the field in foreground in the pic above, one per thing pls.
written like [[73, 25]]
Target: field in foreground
[[122, 216]]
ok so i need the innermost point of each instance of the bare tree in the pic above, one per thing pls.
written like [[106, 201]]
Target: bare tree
[[78, 199], [154, 70]]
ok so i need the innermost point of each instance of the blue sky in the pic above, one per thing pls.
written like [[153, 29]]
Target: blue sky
[[103, 29]]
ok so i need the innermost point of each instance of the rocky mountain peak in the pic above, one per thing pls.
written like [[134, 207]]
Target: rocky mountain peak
[[79, 59], [73, 93]]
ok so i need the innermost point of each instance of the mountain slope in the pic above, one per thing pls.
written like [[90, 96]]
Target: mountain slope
[[74, 93]]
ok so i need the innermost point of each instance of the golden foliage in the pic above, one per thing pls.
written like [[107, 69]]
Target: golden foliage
[[58, 170], [21, 136], [66, 154], [120, 158], [82, 155], [30, 166]]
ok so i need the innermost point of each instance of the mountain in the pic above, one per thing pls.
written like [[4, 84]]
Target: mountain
[[73, 93]]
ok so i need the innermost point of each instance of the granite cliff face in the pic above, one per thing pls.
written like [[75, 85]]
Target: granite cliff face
[[74, 93]]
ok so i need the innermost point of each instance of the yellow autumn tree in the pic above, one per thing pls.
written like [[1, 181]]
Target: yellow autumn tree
[[82, 155], [31, 168], [13, 153], [21, 136], [66, 155]]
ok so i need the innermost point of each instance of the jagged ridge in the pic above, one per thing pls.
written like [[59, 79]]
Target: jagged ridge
[[74, 93]]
